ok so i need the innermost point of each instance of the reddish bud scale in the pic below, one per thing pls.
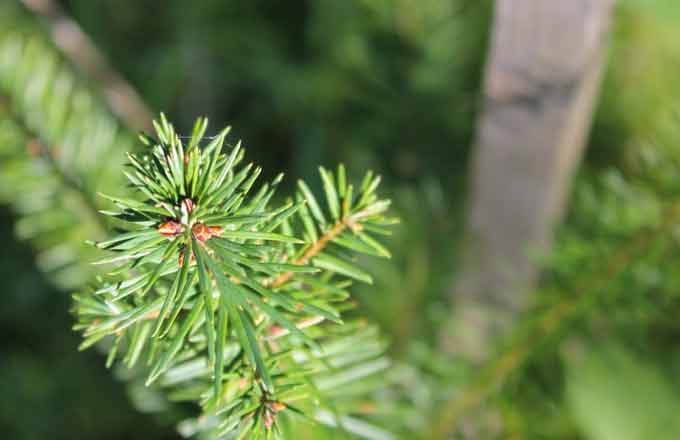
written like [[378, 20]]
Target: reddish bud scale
[[278, 406], [170, 229], [216, 231], [204, 233], [201, 232]]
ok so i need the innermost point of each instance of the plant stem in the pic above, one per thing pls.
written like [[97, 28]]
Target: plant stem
[[313, 250]]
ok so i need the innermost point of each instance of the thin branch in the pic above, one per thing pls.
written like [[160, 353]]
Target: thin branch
[[276, 331], [313, 251]]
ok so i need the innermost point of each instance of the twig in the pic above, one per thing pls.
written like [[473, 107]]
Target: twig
[[313, 251]]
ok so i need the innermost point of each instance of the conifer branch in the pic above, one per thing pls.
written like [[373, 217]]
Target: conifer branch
[[36, 147], [185, 299], [204, 271], [312, 251], [49, 108]]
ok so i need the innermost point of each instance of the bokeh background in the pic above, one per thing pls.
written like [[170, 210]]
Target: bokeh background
[[391, 85]]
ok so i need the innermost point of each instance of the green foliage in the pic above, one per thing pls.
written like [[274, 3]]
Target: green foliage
[[617, 396], [384, 84], [59, 145], [75, 146], [372, 83], [214, 289]]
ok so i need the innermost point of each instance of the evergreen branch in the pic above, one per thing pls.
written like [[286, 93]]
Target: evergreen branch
[[208, 266], [312, 251], [38, 147], [72, 142], [246, 352]]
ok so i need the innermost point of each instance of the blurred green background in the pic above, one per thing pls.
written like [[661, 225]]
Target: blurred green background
[[393, 85]]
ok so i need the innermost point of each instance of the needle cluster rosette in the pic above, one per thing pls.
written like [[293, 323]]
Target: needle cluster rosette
[[235, 303]]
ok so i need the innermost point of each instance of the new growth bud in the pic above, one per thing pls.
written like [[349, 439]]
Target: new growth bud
[[170, 229]]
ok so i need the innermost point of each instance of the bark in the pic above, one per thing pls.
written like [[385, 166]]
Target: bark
[[541, 82]]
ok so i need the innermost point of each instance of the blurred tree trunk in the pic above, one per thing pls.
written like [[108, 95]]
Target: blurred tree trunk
[[541, 81]]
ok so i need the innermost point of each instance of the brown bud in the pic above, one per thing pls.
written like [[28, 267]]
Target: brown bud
[[278, 406], [170, 229], [201, 232], [216, 231]]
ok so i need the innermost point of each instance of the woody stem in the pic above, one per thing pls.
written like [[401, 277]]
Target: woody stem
[[313, 250]]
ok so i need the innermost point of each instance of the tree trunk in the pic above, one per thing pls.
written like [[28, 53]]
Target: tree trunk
[[542, 77]]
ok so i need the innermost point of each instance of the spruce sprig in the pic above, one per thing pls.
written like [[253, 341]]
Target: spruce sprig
[[234, 303]]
